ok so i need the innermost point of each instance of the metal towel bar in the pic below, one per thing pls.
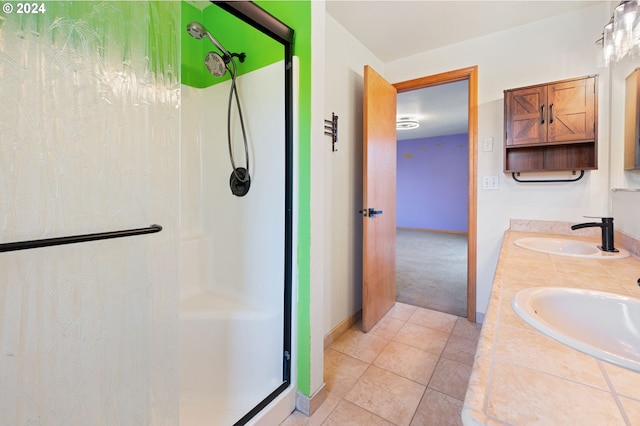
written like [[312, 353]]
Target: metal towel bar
[[23, 245], [513, 175]]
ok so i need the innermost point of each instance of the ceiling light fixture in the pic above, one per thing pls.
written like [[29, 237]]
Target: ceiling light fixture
[[407, 124], [621, 35]]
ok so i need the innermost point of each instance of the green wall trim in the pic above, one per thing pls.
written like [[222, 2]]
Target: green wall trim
[[297, 15]]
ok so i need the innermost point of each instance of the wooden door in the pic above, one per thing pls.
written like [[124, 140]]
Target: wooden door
[[572, 110], [379, 198], [526, 115]]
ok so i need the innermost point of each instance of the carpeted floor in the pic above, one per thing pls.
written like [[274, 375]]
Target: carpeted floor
[[431, 270]]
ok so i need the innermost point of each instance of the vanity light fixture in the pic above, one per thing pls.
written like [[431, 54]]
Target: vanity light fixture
[[621, 35], [407, 124]]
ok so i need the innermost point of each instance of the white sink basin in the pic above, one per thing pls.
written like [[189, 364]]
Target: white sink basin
[[565, 247], [600, 324]]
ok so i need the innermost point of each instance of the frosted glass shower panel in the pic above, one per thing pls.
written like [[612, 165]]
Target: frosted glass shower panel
[[89, 142]]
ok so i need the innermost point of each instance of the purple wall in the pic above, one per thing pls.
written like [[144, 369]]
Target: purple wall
[[432, 187]]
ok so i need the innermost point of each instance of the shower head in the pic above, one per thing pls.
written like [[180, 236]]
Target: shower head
[[216, 65], [198, 31]]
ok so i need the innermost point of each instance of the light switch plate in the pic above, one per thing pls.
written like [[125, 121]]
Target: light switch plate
[[487, 144], [490, 182]]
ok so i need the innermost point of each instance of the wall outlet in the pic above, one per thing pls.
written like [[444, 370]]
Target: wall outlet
[[490, 182]]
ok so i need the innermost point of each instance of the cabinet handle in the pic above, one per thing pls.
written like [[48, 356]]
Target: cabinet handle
[[551, 114], [542, 114]]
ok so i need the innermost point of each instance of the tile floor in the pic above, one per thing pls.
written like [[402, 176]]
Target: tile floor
[[412, 368]]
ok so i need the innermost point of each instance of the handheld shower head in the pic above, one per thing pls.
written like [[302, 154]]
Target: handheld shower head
[[198, 31]]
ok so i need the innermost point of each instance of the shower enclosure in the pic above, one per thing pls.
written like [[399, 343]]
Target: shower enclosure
[[187, 320], [235, 260]]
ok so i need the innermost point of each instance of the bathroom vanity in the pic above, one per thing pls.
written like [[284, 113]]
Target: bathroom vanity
[[521, 376]]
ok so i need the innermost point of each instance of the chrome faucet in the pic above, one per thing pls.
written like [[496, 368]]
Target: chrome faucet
[[607, 233]]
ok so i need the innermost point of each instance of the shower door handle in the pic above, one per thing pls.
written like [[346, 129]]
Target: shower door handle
[[370, 212]]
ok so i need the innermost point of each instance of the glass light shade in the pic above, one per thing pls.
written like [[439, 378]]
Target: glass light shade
[[608, 45], [624, 17], [635, 35]]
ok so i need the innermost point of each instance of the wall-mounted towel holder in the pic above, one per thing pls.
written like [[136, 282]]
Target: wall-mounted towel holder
[[22, 245], [331, 129], [514, 174]]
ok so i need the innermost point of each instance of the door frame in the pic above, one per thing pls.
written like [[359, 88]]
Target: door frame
[[470, 74]]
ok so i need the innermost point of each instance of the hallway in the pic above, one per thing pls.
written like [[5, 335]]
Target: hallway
[[411, 369]]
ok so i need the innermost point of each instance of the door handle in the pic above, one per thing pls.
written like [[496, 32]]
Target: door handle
[[369, 212], [542, 114]]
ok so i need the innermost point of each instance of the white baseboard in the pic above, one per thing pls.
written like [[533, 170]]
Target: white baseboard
[[308, 405]]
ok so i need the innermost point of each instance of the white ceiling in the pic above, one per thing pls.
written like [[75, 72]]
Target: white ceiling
[[441, 110], [397, 29]]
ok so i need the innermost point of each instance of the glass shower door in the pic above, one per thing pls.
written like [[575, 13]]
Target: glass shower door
[[89, 143]]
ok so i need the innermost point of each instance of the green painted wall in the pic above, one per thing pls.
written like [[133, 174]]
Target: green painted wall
[[192, 67], [261, 51], [297, 15], [234, 35]]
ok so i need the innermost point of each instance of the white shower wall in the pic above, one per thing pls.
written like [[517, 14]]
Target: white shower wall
[[245, 234], [232, 250]]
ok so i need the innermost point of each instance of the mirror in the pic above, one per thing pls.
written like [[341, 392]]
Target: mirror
[[623, 161], [632, 121]]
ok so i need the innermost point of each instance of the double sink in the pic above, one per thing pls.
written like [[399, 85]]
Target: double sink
[[601, 324]]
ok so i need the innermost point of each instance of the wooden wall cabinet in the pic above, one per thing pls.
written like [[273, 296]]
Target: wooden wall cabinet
[[632, 121], [552, 127]]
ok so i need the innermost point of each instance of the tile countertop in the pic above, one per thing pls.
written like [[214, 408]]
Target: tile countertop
[[522, 377]]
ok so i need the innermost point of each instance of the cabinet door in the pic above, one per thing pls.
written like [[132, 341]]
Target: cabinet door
[[572, 111], [526, 116]]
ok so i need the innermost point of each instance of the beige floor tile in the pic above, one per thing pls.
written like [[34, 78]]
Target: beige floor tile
[[522, 387], [387, 395], [407, 361], [322, 413], [466, 329], [341, 371], [387, 327], [433, 319], [451, 378], [348, 414], [405, 357], [460, 349], [425, 338], [401, 311], [363, 346], [438, 409]]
